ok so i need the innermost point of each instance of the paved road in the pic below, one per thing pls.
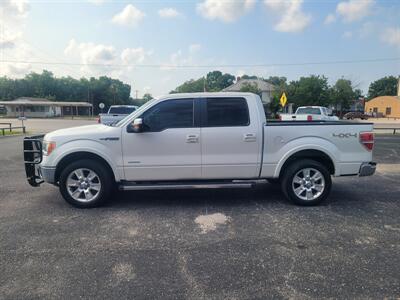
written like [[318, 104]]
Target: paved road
[[47, 125], [226, 244]]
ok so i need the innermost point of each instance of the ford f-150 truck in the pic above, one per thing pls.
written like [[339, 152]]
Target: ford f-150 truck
[[310, 113], [116, 113], [199, 140]]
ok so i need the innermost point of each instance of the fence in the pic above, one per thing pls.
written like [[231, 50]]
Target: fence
[[10, 128]]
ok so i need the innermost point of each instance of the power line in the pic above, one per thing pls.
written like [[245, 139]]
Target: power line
[[171, 66]]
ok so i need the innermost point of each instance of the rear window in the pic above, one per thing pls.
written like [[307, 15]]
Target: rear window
[[227, 112], [122, 110], [308, 111]]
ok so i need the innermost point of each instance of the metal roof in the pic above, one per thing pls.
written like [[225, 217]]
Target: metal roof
[[42, 102], [261, 84]]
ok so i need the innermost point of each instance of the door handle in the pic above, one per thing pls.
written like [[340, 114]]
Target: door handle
[[192, 138], [249, 137]]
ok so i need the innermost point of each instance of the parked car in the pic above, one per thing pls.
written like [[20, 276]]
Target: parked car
[[200, 140], [355, 115], [310, 113], [116, 113]]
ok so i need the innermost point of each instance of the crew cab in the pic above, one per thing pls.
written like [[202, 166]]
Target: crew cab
[[116, 113], [199, 140], [310, 113]]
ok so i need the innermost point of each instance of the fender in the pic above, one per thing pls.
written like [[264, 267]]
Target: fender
[[308, 143], [106, 152]]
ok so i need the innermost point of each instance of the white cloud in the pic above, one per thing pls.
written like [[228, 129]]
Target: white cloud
[[168, 12], [354, 10], [292, 19], [96, 2], [130, 16], [12, 25], [91, 53], [347, 34], [329, 19], [226, 11], [193, 48], [391, 36], [134, 55]]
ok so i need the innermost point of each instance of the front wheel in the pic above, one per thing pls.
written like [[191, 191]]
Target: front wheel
[[306, 182], [85, 183]]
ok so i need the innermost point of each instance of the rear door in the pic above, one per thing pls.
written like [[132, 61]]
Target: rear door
[[229, 143]]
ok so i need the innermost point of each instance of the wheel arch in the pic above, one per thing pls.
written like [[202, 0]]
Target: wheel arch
[[69, 158], [314, 154]]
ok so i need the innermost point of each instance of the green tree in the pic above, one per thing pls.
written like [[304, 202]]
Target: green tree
[[216, 81], [386, 86], [342, 94], [251, 88], [311, 90], [191, 86], [45, 85], [147, 97]]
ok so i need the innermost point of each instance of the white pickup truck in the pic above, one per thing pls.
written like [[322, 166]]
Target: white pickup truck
[[199, 140], [116, 113], [310, 113]]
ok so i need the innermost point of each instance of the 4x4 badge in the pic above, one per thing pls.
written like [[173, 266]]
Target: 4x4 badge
[[344, 135]]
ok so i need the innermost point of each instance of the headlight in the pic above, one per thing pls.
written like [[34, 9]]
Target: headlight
[[48, 147]]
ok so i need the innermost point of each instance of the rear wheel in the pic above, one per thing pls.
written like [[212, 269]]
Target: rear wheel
[[306, 182], [85, 183]]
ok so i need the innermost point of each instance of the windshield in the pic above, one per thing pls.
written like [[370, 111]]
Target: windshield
[[122, 110], [308, 111]]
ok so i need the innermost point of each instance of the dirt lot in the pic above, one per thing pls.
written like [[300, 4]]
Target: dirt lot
[[226, 244]]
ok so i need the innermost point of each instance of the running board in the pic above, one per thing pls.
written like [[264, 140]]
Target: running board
[[180, 186]]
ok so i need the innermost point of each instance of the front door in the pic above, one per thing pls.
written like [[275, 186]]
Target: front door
[[168, 148]]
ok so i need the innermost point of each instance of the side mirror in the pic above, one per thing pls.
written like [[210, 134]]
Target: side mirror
[[137, 125]]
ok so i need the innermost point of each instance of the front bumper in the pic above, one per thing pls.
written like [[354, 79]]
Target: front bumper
[[367, 169]]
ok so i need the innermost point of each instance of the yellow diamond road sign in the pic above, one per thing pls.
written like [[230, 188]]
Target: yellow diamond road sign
[[283, 100]]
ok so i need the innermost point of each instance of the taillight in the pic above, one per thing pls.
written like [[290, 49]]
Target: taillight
[[280, 117], [367, 140], [309, 118]]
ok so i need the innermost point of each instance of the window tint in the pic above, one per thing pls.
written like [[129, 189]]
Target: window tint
[[169, 114], [122, 110], [308, 111], [227, 112]]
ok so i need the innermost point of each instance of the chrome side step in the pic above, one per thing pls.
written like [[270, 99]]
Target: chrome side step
[[181, 186]]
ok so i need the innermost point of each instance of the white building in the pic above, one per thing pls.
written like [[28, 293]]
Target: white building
[[43, 108]]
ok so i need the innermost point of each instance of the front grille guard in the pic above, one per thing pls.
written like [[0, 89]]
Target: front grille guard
[[33, 155]]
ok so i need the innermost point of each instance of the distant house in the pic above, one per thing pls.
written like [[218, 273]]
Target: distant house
[[43, 108], [265, 87], [385, 106]]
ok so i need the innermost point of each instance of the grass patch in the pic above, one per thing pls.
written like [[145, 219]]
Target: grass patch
[[14, 132]]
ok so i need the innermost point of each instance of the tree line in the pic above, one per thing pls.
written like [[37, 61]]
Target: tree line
[[45, 85], [308, 90]]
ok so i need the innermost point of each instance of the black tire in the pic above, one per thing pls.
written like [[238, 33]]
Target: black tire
[[288, 186], [274, 181], [104, 178]]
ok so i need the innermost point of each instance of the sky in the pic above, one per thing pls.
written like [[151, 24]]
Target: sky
[[156, 45]]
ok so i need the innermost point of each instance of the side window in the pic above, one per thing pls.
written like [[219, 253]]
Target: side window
[[169, 114], [227, 112]]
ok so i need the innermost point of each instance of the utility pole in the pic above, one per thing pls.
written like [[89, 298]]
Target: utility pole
[[136, 94]]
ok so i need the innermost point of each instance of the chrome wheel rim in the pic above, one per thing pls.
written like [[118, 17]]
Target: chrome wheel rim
[[83, 185], [308, 184]]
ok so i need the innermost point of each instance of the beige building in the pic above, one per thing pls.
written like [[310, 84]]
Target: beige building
[[385, 106]]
